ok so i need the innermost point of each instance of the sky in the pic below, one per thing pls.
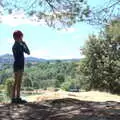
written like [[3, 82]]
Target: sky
[[43, 41]]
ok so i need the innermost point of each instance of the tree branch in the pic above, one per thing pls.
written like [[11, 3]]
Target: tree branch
[[104, 9]]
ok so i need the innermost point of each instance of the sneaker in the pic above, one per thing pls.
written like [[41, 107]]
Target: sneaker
[[14, 100], [20, 101]]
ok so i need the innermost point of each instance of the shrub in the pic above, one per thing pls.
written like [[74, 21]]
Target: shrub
[[28, 88], [2, 87], [66, 86], [9, 85]]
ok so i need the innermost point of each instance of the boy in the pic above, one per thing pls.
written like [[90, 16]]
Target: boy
[[18, 49]]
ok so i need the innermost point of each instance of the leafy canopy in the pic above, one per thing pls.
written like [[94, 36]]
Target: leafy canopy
[[56, 13]]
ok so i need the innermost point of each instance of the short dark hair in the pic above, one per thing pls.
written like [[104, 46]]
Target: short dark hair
[[17, 34]]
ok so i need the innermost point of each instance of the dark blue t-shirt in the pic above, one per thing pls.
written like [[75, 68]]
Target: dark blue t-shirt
[[18, 52]]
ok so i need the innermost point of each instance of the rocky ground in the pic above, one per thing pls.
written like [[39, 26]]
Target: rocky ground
[[66, 108]]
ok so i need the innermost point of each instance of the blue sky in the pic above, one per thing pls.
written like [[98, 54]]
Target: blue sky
[[45, 42]]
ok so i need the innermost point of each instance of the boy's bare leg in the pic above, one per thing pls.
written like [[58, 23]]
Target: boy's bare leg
[[15, 84], [20, 74]]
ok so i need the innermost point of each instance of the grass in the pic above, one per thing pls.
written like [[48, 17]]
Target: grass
[[95, 96]]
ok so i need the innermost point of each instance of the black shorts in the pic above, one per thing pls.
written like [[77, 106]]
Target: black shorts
[[19, 67]]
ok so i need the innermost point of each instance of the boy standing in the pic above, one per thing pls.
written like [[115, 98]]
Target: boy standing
[[18, 49]]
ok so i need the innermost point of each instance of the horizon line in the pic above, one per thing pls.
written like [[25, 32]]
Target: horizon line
[[44, 58]]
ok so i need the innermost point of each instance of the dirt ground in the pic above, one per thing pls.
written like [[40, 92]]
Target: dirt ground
[[62, 108]]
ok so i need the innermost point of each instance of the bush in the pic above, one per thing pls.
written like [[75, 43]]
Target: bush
[[71, 85], [1, 98], [9, 85], [66, 86], [28, 88], [2, 87]]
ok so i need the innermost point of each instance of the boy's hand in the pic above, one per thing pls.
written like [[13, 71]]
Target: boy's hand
[[25, 48]]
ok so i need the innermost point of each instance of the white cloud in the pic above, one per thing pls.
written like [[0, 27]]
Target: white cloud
[[64, 57], [39, 53], [18, 18], [67, 56], [42, 53]]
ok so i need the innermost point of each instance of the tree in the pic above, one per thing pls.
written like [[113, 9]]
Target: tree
[[56, 13], [93, 53], [112, 30], [102, 15], [102, 64]]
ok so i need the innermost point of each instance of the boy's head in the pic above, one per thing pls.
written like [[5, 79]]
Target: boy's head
[[17, 35]]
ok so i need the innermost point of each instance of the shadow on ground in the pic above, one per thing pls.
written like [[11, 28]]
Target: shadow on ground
[[61, 109]]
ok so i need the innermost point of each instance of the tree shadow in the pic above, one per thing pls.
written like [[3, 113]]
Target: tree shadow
[[61, 109]]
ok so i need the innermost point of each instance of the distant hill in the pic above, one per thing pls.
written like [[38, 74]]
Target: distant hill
[[8, 58], [34, 59], [65, 60]]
